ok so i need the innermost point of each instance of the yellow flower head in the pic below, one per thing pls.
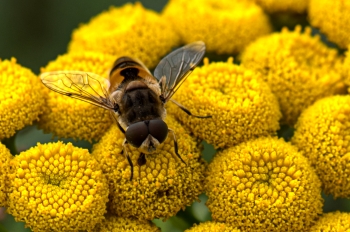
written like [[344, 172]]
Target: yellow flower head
[[67, 117], [332, 18], [240, 103], [130, 30], [5, 172], [120, 224], [226, 27], [212, 226], [58, 187], [332, 222], [346, 69], [323, 135], [298, 68], [21, 98], [263, 185], [297, 6], [159, 188]]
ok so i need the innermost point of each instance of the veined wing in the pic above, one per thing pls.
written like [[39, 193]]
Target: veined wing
[[173, 69], [85, 86]]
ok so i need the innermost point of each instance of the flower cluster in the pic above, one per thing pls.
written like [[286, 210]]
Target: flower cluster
[[346, 70], [5, 172], [297, 6], [130, 30], [323, 135], [332, 222], [240, 103], [113, 223], [259, 185], [245, 21], [70, 118], [159, 188], [57, 187], [332, 18], [211, 226], [299, 69], [21, 98]]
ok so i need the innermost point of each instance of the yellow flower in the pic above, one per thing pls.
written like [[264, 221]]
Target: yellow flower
[[297, 6], [21, 98], [225, 26], [67, 117], [323, 135], [332, 222], [130, 30], [58, 187], [346, 69], [162, 186], [119, 224], [298, 68], [332, 18], [212, 226], [5, 172], [240, 103], [263, 185]]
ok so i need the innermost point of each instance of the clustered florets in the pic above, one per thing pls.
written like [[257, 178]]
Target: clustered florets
[[256, 181]]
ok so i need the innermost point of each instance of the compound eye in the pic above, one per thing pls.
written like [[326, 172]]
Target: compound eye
[[158, 129], [136, 133]]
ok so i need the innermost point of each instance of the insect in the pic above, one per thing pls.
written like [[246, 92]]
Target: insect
[[134, 96]]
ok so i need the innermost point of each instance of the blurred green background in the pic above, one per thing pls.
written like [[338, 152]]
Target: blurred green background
[[36, 32]]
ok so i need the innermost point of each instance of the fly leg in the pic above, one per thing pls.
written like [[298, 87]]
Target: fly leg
[[187, 111], [175, 146], [126, 155]]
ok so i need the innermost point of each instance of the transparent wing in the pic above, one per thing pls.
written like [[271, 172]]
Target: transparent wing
[[173, 69], [85, 86]]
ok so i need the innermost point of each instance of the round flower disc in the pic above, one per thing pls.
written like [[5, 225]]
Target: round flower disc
[[240, 103], [211, 226], [67, 117], [332, 222], [263, 185], [332, 18], [226, 27], [130, 30], [162, 185], [346, 69], [5, 172], [323, 135], [113, 223], [21, 98], [58, 187], [298, 67]]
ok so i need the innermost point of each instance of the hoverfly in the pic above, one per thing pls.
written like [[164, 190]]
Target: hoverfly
[[134, 96]]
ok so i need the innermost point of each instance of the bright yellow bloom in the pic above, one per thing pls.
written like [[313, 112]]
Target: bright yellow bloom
[[120, 224], [212, 226], [346, 69], [5, 172], [70, 118], [332, 18], [298, 68], [323, 135], [263, 185], [226, 27], [130, 30], [21, 98], [240, 103], [162, 186], [297, 6], [58, 187], [333, 222]]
